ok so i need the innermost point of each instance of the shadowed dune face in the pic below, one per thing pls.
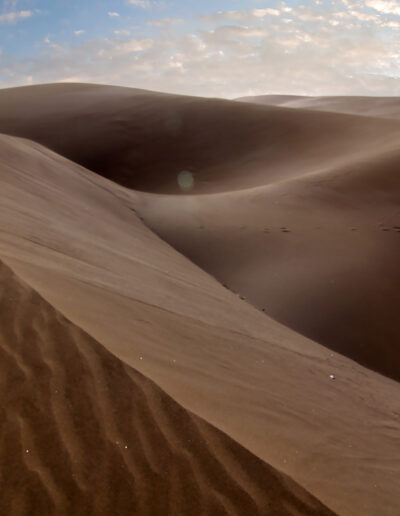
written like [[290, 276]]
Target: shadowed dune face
[[82, 433], [144, 140]]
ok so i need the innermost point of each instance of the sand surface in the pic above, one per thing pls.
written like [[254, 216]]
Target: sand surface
[[130, 303], [83, 433]]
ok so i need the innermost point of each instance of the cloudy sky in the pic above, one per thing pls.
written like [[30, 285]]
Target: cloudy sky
[[209, 48]]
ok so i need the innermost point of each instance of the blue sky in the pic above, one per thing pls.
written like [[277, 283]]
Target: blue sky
[[211, 48]]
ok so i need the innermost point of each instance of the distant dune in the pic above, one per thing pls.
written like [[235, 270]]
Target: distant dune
[[156, 340], [382, 107], [142, 139]]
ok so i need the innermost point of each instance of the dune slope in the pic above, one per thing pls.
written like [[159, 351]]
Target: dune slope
[[320, 253], [82, 433], [74, 238]]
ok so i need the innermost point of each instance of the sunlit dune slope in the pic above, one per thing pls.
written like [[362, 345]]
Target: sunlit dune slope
[[143, 140], [382, 107], [328, 423], [319, 253], [83, 433]]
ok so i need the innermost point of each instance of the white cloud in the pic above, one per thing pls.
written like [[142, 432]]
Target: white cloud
[[147, 4], [52, 45], [113, 15], [12, 17], [143, 4], [224, 15], [235, 31], [391, 24], [79, 32], [134, 45], [130, 46], [242, 16], [261, 13], [76, 78], [122, 32], [165, 22], [384, 6], [365, 16]]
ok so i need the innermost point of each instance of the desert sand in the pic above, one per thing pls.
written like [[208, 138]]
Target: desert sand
[[232, 348]]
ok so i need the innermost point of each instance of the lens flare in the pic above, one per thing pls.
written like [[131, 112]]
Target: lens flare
[[185, 180]]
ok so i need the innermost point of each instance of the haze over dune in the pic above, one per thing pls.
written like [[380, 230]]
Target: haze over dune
[[117, 327], [382, 107]]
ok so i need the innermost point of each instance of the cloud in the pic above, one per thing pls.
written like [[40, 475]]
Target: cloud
[[365, 17], [225, 33], [391, 24], [9, 5], [165, 22], [143, 4], [15, 16], [384, 6], [244, 16], [261, 13], [224, 15], [113, 15], [52, 45], [118, 48], [122, 32], [147, 4], [79, 32], [341, 48]]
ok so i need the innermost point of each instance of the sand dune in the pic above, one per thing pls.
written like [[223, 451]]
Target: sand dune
[[83, 433], [150, 333], [144, 140], [344, 198], [382, 107], [319, 253], [73, 237]]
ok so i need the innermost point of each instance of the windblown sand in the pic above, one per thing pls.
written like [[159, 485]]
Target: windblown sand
[[229, 348]]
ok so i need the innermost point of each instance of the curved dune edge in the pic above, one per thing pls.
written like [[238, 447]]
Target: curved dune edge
[[83, 433]]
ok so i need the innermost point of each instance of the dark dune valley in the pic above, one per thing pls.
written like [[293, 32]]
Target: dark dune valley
[[199, 304]]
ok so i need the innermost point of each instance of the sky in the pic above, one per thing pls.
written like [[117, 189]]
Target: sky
[[215, 48]]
